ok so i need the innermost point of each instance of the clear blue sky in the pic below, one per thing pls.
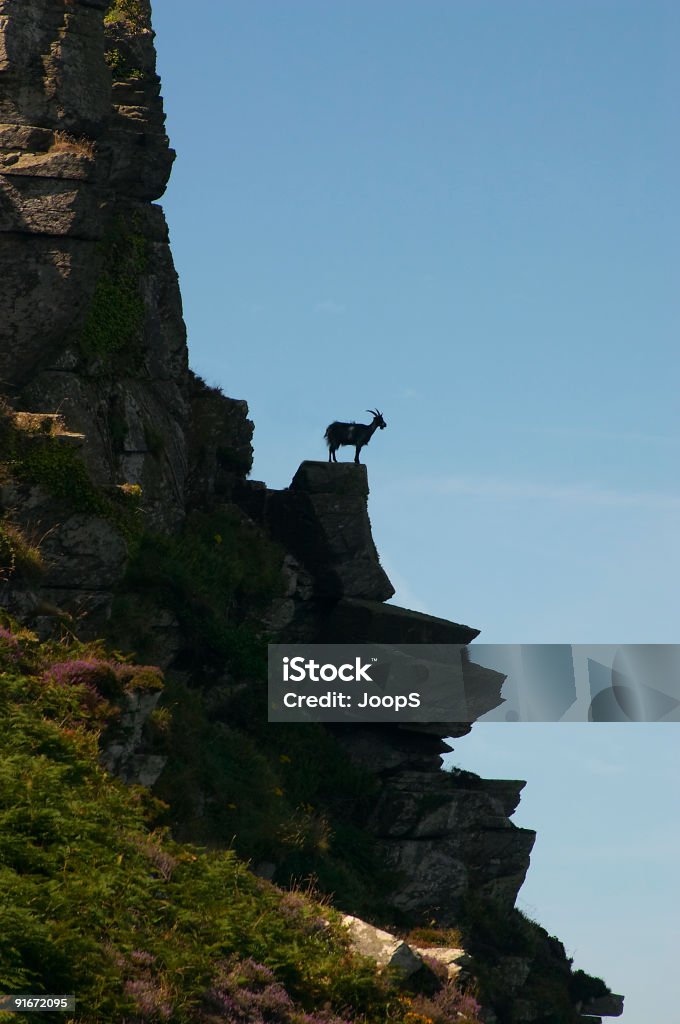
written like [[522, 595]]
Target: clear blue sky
[[466, 213]]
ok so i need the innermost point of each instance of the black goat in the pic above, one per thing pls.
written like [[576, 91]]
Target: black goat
[[358, 434]]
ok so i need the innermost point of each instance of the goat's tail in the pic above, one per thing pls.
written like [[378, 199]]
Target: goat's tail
[[327, 435]]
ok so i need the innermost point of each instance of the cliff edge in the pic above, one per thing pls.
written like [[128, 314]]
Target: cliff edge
[[126, 513]]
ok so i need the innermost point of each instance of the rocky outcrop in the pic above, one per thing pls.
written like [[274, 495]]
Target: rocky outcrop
[[94, 356], [367, 621], [95, 321], [608, 1006], [449, 835], [92, 322], [322, 518], [322, 521], [220, 451], [382, 946], [123, 752]]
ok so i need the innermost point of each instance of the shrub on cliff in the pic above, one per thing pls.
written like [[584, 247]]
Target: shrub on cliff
[[142, 928], [17, 554]]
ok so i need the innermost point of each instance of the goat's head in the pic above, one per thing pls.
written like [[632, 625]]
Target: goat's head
[[377, 418]]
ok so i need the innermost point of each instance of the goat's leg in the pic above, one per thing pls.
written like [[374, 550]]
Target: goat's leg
[[356, 457]]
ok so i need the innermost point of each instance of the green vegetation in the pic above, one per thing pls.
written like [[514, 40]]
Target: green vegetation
[[282, 794], [124, 18], [584, 987], [98, 902], [58, 469], [131, 12], [550, 982], [115, 319], [17, 555], [120, 68], [154, 439], [46, 458], [432, 936], [215, 576], [41, 457]]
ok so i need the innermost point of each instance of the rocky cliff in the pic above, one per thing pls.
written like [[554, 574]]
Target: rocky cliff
[[127, 511]]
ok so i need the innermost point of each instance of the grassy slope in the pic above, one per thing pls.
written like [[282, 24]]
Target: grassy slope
[[142, 928], [283, 794]]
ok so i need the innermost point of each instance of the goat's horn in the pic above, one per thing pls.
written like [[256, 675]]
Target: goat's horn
[[372, 412]]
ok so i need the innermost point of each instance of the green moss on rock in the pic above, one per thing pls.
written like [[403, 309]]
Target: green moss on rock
[[115, 319], [129, 11], [17, 554]]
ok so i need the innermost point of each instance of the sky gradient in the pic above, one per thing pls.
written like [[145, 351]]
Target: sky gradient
[[466, 213]]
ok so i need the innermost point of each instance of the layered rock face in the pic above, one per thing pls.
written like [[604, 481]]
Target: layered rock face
[[445, 834], [92, 331], [322, 521], [79, 147], [92, 316]]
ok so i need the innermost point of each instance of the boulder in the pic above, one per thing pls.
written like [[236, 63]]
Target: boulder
[[381, 946], [453, 958]]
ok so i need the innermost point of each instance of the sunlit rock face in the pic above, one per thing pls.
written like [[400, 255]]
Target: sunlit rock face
[[78, 146], [447, 835], [92, 321]]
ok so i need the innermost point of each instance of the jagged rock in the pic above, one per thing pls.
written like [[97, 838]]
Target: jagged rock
[[121, 754], [84, 557], [49, 206], [251, 497], [610, 1005], [381, 946], [82, 154], [482, 688], [44, 287], [387, 750], [83, 553], [454, 959], [368, 621], [511, 972], [220, 444], [53, 74], [138, 156], [323, 519], [444, 834], [59, 163]]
